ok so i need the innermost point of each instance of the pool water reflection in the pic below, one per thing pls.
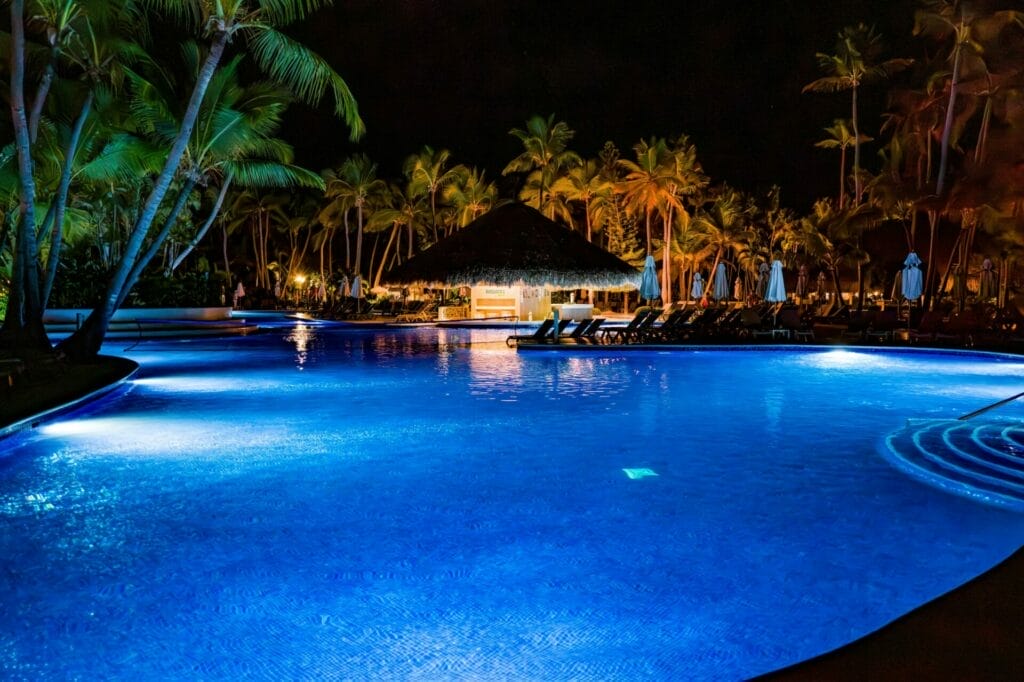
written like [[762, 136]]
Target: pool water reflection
[[320, 503]]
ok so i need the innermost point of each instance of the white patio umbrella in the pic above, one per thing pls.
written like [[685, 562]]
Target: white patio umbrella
[[343, 288], [912, 284], [357, 287], [697, 290], [720, 289], [321, 292], [649, 287]]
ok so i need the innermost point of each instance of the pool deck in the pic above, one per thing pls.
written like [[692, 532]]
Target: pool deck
[[973, 632]]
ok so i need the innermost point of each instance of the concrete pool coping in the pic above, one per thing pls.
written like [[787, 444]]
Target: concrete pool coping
[[971, 632]]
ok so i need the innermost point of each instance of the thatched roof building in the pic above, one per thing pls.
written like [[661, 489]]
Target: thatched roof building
[[511, 245]]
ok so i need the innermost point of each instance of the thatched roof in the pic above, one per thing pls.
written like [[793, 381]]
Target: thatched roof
[[514, 244]]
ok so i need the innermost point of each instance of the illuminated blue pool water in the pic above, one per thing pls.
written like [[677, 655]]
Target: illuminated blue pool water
[[324, 504]]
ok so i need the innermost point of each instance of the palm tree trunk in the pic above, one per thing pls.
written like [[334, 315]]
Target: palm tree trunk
[[214, 212], [648, 228], [159, 239], [348, 250], [57, 231], [929, 272], [948, 125], [359, 239], [842, 176], [666, 260], [224, 251], [856, 151], [41, 93], [86, 341], [384, 256], [24, 317]]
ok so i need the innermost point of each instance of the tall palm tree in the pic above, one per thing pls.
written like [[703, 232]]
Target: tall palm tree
[[854, 63], [545, 150], [254, 23], [650, 183], [355, 186], [428, 175], [841, 137], [400, 210]]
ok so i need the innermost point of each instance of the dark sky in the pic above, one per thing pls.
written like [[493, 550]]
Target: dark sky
[[459, 74]]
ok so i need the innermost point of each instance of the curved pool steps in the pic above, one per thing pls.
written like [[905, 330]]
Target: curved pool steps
[[984, 462]]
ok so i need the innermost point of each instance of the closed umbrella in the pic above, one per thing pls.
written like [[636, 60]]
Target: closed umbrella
[[802, 279], [357, 292], [912, 284], [776, 292], [343, 287], [697, 290], [649, 288], [987, 285], [762, 280], [239, 294], [321, 292], [720, 290]]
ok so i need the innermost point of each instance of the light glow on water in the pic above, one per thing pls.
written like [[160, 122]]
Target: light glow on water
[[319, 502]]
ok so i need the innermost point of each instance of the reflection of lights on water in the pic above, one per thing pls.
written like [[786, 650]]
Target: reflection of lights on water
[[908, 363], [301, 337]]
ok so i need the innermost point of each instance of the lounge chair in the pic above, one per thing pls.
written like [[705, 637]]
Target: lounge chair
[[930, 325], [576, 332], [545, 332], [589, 335], [883, 325], [621, 333], [790, 320], [666, 330]]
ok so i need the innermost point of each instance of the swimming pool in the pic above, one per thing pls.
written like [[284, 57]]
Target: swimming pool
[[319, 503]]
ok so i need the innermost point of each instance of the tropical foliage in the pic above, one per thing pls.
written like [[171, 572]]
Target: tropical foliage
[[134, 164]]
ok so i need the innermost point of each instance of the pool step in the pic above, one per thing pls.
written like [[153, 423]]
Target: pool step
[[982, 461]]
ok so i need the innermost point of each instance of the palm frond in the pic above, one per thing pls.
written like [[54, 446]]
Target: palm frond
[[283, 12], [305, 73], [269, 174]]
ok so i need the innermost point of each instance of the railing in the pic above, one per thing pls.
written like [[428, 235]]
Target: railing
[[972, 415]]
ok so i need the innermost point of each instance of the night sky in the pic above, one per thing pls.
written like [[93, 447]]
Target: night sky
[[459, 74]]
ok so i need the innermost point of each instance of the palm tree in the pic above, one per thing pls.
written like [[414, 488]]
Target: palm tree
[[720, 228], [841, 137], [854, 63], [254, 22], [428, 175], [649, 183], [470, 194], [354, 186], [400, 210], [545, 151], [832, 237]]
